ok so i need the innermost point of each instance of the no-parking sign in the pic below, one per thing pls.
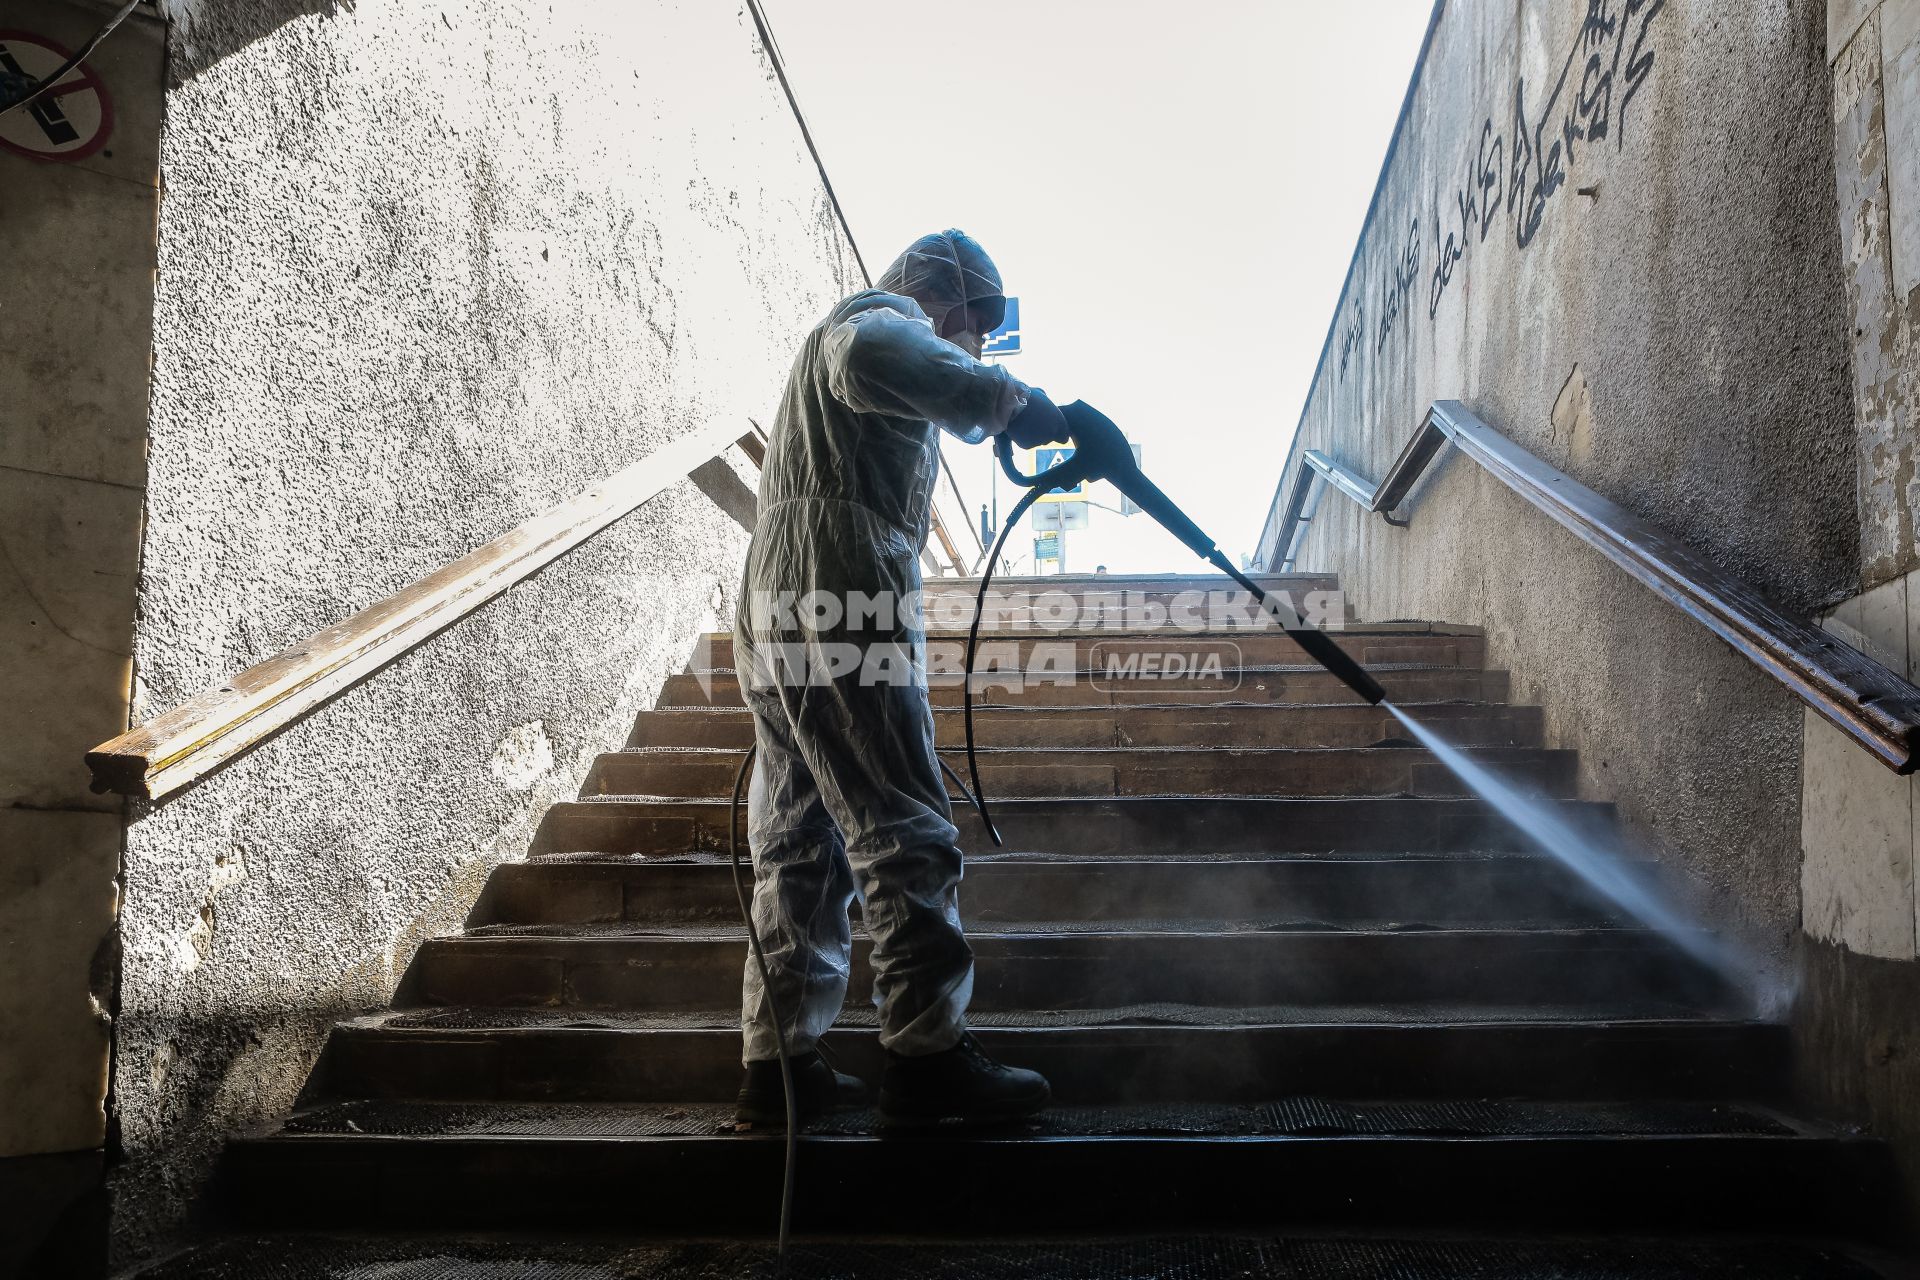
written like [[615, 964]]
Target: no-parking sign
[[70, 121]]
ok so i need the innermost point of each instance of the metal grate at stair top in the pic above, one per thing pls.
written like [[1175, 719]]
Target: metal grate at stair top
[[1180, 1258], [985, 675], [1117, 751], [1129, 926], [1302, 1117], [860, 1018], [1081, 863]]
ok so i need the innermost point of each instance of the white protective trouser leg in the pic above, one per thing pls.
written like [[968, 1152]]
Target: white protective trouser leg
[[847, 796]]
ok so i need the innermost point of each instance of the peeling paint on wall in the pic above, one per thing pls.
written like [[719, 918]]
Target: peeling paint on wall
[[523, 757]]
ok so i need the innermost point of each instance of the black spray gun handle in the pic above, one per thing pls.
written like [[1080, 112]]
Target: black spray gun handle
[[1101, 452]]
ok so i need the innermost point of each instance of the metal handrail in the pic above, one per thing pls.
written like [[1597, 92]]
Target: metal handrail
[[1348, 482], [1875, 706], [179, 747]]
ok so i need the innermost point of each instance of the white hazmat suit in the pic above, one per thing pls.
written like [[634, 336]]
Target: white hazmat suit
[[847, 794]]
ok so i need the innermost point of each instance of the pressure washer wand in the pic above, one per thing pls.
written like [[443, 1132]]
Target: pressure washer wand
[[1101, 452]]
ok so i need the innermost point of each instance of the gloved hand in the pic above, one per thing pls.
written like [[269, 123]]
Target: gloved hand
[[1037, 424]]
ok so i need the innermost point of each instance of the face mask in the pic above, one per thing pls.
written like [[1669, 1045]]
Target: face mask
[[968, 341]]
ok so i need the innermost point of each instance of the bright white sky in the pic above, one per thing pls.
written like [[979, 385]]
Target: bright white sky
[[1172, 191]]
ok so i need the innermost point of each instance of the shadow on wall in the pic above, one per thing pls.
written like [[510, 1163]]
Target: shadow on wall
[[727, 491], [206, 31]]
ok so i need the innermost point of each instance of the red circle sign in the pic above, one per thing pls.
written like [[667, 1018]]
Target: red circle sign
[[70, 121]]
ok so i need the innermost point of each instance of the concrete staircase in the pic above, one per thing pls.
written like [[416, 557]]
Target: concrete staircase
[[1284, 976]]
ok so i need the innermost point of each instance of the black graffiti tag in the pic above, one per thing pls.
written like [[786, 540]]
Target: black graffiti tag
[[1523, 169], [1406, 270], [1545, 148], [1351, 334], [1486, 175]]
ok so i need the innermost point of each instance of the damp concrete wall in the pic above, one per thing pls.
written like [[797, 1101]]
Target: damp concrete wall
[[423, 271], [1609, 229]]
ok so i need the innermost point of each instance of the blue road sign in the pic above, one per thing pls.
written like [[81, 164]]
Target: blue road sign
[[1004, 341], [1049, 456]]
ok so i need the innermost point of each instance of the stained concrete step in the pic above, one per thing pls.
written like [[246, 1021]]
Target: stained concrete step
[[1507, 1165], [1283, 725], [1132, 771], [414, 1256], [1034, 966], [1373, 891], [1096, 689], [1101, 650], [1138, 826], [1129, 1054]]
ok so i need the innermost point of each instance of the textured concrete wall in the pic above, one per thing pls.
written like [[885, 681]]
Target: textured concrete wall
[[424, 270], [1608, 230]]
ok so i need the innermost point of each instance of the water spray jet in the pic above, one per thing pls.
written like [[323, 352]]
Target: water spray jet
[[1101, 452]]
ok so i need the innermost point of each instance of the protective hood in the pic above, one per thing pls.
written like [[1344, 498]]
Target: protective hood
[[942, 271]]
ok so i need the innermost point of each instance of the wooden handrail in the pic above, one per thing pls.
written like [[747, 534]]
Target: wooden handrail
[[181, 746], [1876, 707], [754, 443]]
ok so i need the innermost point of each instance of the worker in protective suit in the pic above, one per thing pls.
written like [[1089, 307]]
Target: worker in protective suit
[[847, 795]]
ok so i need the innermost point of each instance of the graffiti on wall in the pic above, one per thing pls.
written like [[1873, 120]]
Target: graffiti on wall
[[1352, 330], [1512, 174], [1399, 284]]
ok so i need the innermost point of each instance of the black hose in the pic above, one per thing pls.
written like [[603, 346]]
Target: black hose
[[979, 794], [766, 979], [773, 1007], [971, 798]]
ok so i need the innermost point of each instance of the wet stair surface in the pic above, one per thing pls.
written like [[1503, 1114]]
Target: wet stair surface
[[1289, 982]]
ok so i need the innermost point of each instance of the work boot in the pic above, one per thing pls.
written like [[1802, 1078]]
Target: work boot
[[961, 1084], [817, 1088]]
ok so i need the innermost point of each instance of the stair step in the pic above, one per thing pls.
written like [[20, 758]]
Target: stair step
[[1257, 685], [1163, 1052], [1293, 1116], [1294, 725], [700, 967], [1541, 1165], [1119, 827], [1097, 650], [1153, 586], [1438, 890], [1133, 771], [259, 1256]]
